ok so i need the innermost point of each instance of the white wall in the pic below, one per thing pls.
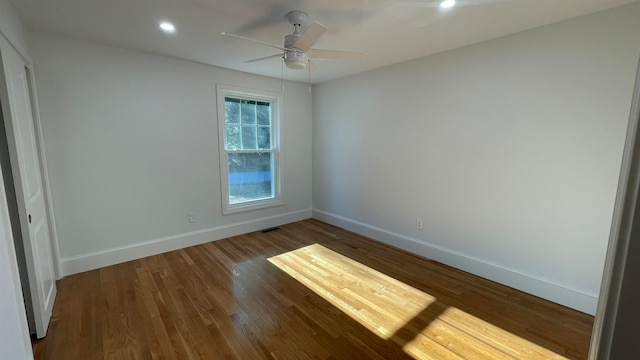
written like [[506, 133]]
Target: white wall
[[14, 332], [509, 150], [11, 27], [131, 142]]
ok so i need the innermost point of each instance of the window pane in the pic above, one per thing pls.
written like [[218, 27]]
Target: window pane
[[250, 177], [248, 110], [232, 110], [264, 138], [249, 138], [233, 138], [263, 112]]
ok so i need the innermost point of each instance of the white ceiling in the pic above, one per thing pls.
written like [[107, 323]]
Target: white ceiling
[[389, 31]]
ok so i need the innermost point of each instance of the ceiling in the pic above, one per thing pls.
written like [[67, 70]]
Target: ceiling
[[389, 31]]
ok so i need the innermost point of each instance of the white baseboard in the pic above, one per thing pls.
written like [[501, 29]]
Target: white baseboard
[[95, 260], [536, 285]]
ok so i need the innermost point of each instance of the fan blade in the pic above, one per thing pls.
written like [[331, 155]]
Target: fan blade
[[335, 54], [254, 40], [310, 36], [264, 58]]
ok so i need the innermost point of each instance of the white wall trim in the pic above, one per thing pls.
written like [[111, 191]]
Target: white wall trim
[[95, 260], [549, 289]]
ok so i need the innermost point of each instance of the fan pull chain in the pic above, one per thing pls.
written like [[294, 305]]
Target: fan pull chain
[[282, 74], [309, 72]]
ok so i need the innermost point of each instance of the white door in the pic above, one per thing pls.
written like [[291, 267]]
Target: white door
[[23, 151]]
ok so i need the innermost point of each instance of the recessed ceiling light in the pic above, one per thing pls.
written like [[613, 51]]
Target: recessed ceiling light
[[447, 4], [167, 27]]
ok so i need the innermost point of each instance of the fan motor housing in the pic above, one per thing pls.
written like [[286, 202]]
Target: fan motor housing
[[294, 58], [290, 39]]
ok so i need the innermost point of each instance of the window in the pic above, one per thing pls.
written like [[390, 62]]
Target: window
[[249, 145]]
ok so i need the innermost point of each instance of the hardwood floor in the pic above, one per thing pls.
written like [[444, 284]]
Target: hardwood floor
[[306, 291]]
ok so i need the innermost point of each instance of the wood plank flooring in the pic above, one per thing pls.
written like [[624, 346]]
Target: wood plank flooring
[[306, 291]]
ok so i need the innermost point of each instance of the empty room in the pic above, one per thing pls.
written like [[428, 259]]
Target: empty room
[[319, 179]]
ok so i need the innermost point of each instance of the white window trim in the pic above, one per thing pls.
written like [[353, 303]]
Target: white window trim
[[275, 99]]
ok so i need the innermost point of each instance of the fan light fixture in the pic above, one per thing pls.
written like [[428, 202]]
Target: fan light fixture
[[296, 60], [447, 4]]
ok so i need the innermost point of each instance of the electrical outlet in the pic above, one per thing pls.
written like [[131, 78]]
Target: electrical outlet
[[193, 216], [419, 224]]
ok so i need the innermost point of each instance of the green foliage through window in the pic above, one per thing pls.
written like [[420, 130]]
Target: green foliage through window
[[248, 124]]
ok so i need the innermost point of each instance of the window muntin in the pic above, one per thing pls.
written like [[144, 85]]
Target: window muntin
[[249, 148]]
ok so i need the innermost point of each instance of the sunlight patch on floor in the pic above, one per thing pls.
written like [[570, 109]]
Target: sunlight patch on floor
[[423, 326], [475, 338], [378, 302]]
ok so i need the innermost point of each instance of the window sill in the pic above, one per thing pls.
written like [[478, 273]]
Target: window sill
[[251, 205]]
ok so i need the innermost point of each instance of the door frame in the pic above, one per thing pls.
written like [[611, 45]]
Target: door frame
[[17, 63], [20, 343], [44, 173], [621, 234]]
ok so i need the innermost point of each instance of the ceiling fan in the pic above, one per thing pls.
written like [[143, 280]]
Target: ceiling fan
[[297, 50]]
